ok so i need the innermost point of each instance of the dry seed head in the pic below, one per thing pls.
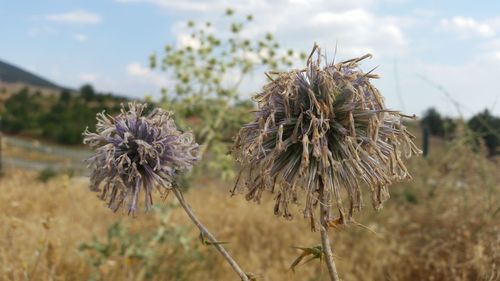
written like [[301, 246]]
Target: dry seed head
[[136, 153], [319, 134]]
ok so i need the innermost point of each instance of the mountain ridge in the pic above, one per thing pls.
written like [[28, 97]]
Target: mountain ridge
[[10, 73]]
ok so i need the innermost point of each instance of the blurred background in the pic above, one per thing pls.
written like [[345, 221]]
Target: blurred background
[[61, 62]]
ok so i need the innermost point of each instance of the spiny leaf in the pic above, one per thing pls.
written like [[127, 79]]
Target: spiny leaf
[[315, 252], [206, 242]]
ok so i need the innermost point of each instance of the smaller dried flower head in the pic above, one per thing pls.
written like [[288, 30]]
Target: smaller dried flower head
[[136, 153], [319, 134]]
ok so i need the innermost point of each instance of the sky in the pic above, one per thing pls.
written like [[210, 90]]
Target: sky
[[444, 54]]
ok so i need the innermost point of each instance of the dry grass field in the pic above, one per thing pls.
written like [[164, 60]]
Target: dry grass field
[[443, 225]]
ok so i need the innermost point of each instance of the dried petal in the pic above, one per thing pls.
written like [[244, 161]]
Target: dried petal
[[325, 130], [134, 153]]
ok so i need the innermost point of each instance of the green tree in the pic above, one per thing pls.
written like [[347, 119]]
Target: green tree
[[207, 75], [68, 117], [487, 126], [60, 118], [22, 111], [87, 92], [434, 122], [65, 96], [449, 127]]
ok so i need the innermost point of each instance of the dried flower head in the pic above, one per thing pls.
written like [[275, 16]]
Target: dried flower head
[[136, 152], [320, 133]]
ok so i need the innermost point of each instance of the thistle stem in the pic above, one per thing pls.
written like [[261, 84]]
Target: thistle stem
[[327, 249], [204, 231]]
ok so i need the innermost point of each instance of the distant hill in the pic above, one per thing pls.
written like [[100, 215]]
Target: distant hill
[[13, 74]]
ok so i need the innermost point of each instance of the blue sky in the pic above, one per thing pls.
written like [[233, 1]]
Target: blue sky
[[107, 42]]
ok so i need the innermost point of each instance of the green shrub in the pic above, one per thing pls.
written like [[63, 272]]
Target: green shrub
[[46, 174], [150, 254], [487, 127]]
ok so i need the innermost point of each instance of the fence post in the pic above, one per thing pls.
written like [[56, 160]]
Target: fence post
[[425, 139], [1, 140]]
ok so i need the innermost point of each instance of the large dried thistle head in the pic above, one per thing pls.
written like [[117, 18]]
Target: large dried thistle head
[[135, 153], [318, 136]]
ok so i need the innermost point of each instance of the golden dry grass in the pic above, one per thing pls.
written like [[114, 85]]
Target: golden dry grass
[[444, 225]]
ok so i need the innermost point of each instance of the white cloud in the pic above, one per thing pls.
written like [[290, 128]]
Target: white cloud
[[468, 83], [425, 13], [41, 31], [188, 5], [358, 28], [219, 6], [351, 23], [88, 77], [467, 27], [75, 17], [186, 40], [347, 18], [136, 69], [145, 75], [302, 2], [80, 37], [296, 24]]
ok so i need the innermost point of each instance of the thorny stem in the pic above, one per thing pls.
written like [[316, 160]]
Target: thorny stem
[[325, 242], [209, 235]]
